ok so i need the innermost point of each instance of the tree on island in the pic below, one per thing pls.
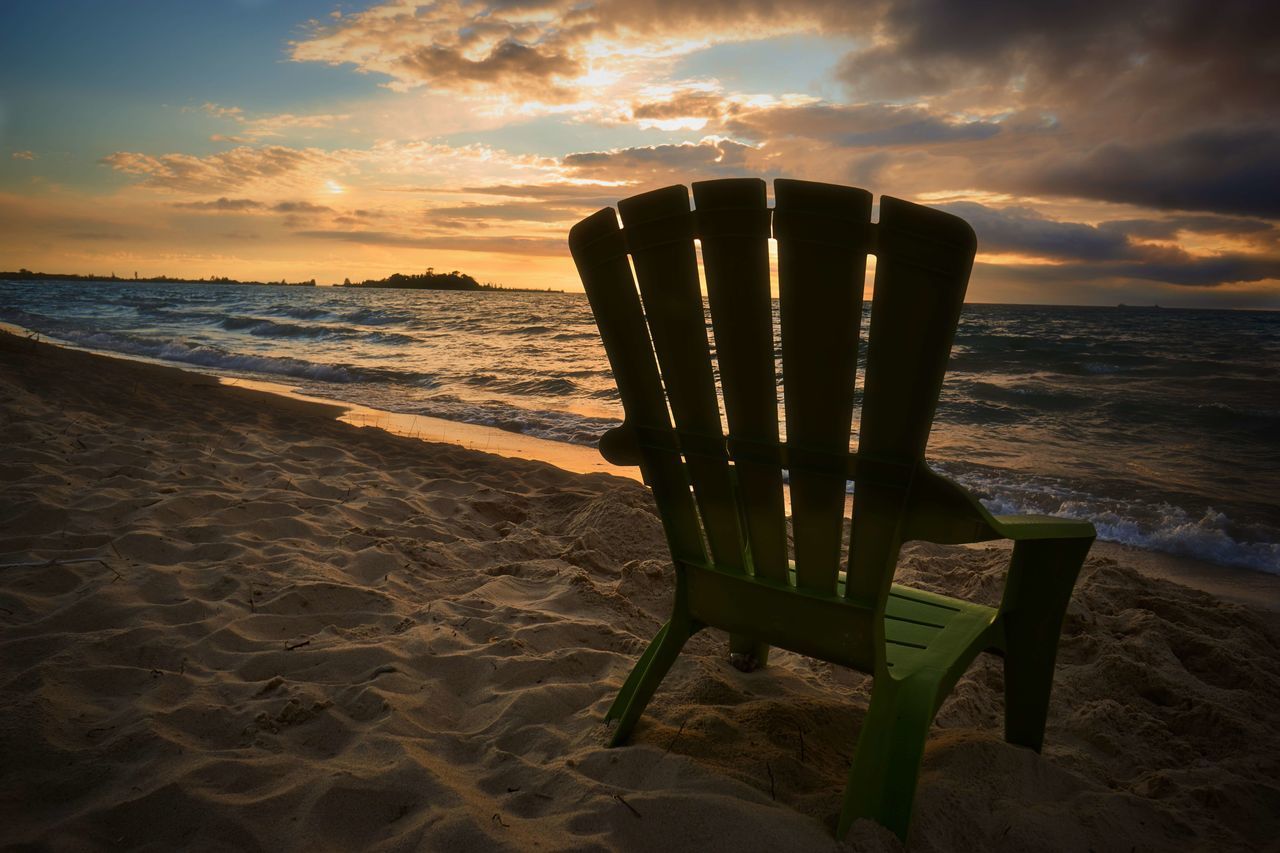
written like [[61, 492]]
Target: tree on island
[[429, 280]]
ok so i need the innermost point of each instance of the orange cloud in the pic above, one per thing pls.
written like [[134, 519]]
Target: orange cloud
[[226, 170], [555, 52], [269, 125]]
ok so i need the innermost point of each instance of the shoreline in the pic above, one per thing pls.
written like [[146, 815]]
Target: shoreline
[[1239, 584], [576, 458], [230, 619]]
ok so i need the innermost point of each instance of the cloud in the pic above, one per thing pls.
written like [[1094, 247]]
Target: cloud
[[509, 65], [431, 165], [223, 171], [1227, 171], [690, 103], [684, 107], [300, 207], [552, 50], [219, 111], [1095, 90], [1171, 227], [1023, 231], [579, 195], [23, 155], [512, 212], [1183, 272], [857, 125], [271, 124], [1220, 53], [513, 245], [676, 163], [1084, 252], [222, 204]]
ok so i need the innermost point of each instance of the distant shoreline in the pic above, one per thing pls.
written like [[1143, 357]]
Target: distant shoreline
[[430, 280]]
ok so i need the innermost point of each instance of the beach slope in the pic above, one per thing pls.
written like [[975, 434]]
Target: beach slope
[[230, 621]]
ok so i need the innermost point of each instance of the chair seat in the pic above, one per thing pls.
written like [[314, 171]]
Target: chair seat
[[924, 630]]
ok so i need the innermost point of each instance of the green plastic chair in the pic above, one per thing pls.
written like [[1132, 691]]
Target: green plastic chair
[[720, 495]]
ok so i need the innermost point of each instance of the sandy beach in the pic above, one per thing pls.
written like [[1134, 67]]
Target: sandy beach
[[229, 620]]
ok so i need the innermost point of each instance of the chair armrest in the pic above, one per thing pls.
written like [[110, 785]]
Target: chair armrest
[[1021, 528], [619, 446], [943, 511]]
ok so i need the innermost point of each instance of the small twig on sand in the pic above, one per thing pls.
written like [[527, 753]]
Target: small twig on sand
[[800, 732], [769, 770], [288, 647], [630, 807], [497, 818], [41, 564], [679, 732]]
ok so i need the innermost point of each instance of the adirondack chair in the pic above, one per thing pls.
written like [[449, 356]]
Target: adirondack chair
[[720, 495]]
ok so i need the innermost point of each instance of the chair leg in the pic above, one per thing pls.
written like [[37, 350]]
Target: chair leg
[[633, 678], [1042, 575], [647, 675], [882, 780], [747, 653]]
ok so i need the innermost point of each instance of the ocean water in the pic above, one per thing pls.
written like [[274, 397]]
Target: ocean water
[[1160, 425]]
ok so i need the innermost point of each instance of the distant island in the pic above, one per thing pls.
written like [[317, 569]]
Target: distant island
[[429, 280]]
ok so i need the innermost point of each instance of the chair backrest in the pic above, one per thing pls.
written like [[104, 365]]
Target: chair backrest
[[824, 234]]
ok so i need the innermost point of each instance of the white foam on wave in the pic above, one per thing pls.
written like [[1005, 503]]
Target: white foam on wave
[[1157, 526], [1178, 532], [211, 357]]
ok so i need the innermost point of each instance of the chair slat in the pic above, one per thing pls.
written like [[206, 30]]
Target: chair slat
[[733, 225], [822, 232], [659, 233], [599, 251], [922, 269]]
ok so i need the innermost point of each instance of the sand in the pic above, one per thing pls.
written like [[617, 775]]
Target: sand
[[231, 621]]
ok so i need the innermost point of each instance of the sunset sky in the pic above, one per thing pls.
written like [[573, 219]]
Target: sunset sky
[[1105, 151]]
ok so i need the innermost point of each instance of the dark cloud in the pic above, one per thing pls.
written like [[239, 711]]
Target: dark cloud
[[579, 196], [300, 207], [859, 125], [1185, 271], [515, 212], [509, 64], [527, 246], [1221, 52], [686, 104], [1172, 104], [223, 204], [678, 162], [1227, 171], [1167, 229], [1023, 231]]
